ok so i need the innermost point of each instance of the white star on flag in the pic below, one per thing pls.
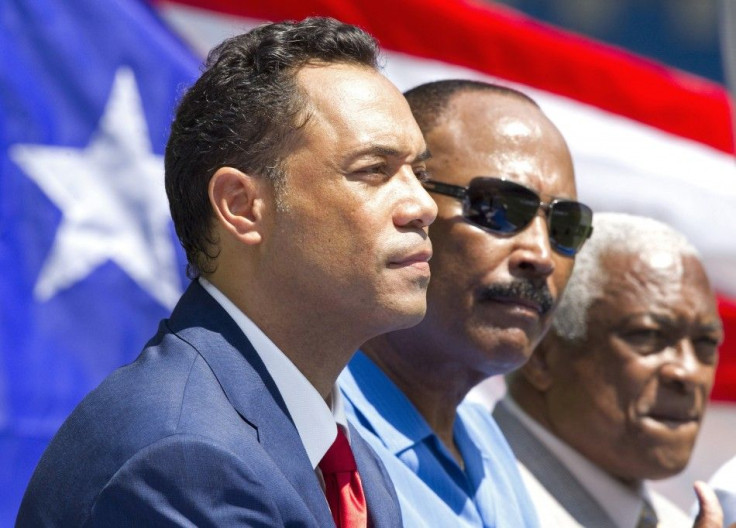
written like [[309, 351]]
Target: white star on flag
[[112, 199]]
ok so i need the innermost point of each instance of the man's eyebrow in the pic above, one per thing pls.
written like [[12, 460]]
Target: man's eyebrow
[[667, 319], [424, 156], [712, 327], [390, 152]]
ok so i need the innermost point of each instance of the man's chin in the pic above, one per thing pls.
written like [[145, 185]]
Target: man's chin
[[507, 355], [410, 320], [406, 316]]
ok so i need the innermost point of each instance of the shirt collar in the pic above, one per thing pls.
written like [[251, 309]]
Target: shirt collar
[[620, 502], [315, 421], [381, 404]]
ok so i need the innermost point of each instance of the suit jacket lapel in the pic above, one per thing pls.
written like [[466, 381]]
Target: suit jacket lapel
[[550, 472], [380, 495], [200, 320]]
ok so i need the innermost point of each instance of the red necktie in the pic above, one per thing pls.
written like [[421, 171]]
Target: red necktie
[[343, 488]]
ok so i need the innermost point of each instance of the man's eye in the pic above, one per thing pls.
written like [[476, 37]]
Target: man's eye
[[706, 347], [707, 341], [643, 334], [645, 340], [422, 175], [373, 169]]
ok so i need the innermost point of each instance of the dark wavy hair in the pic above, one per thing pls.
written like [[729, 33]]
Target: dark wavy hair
[[246, 111]]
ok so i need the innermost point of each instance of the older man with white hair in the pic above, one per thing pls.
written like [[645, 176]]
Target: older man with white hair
[[615, 393]]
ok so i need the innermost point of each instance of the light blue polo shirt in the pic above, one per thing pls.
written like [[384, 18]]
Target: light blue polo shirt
[[433, 490]]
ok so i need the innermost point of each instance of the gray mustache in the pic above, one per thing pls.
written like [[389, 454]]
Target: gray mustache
[[521, 289]]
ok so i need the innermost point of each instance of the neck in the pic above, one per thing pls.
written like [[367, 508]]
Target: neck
[[432, 386], [529, 400], [311, 343]]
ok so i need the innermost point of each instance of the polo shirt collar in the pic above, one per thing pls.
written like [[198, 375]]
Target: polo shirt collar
[[387, 410]]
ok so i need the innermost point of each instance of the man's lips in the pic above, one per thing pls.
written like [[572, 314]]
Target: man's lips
[[417, 259], [518, 301], [673, 417]]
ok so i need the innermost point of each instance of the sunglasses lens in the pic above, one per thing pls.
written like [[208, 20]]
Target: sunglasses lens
[[500, 206], [570, 225], [506, 208]]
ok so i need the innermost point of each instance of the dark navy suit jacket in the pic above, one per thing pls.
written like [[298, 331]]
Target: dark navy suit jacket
[[193, 433]]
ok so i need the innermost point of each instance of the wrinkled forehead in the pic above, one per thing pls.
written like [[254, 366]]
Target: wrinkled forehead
[[501, 136], [659, 280], [354, 104]]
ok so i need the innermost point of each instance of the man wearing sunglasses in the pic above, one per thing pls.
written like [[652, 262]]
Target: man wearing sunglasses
[[504, 243]]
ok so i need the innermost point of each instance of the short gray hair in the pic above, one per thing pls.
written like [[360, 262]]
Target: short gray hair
[[612, 233]]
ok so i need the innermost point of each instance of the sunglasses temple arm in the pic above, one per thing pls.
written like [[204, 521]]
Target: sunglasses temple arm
[[446, 189]]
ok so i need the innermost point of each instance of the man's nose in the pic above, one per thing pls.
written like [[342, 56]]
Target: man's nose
[[416, 207], [682, 368], [531, 256]]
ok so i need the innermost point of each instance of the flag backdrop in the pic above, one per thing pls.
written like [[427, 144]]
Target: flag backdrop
[[645, 138], [88, 258]]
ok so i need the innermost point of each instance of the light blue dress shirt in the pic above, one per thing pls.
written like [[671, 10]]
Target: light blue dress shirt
[[433, 490]]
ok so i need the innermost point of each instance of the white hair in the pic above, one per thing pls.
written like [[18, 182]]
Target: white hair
[[612, 233]]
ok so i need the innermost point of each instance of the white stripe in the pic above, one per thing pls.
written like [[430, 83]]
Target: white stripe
[[621, 164], [624, 165]]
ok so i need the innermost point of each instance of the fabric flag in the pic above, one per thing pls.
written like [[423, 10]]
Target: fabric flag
[[88, 257], [89, 262], [646, 139]]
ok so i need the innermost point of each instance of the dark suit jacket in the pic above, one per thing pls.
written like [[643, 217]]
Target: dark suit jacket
[[193, 433]]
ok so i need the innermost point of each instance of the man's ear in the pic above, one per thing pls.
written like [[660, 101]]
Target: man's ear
[[537, 370], [238, 203]]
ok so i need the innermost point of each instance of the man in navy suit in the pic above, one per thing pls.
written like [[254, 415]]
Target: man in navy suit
[[294, 174]]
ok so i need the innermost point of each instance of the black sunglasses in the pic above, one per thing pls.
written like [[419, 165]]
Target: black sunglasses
[[506, 208]]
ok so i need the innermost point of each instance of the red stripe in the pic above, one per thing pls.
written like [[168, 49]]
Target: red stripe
[[725, 385], [504, 43]]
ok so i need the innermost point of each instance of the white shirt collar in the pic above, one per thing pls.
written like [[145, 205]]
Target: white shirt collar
[[315, 421], [620, 502]]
